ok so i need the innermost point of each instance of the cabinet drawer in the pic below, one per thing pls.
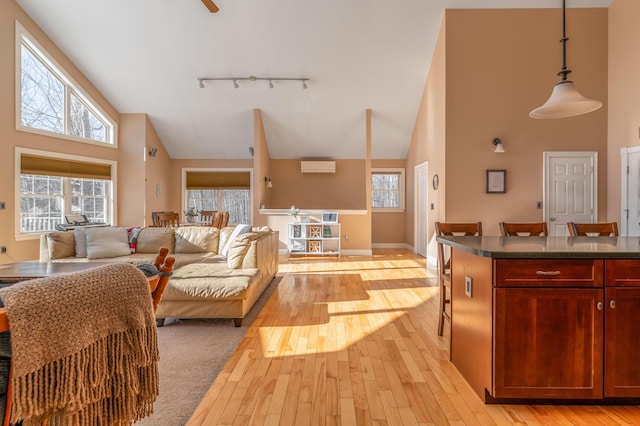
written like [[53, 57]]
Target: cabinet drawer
[[549, 273], [622, 272]]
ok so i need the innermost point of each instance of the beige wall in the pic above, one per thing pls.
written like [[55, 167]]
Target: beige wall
[[342, 190], [428, 142], [261, 168], [624, 86], [156, 174], [499, 66]]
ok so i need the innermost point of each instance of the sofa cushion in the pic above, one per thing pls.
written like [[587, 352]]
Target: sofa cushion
[[239, 249], [209, 281], [238, 230], [61, 244], [80, 237], [151, 239], [197, 239], [107, 242]]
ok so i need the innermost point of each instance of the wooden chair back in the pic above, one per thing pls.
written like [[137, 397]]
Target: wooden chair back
[[154, 217], [523, 229], [171, 220], [220, 220], [593, 229], [206, 216], [444, 263]]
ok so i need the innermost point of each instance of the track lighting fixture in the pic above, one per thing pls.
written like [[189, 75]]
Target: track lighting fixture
[[235, 80]]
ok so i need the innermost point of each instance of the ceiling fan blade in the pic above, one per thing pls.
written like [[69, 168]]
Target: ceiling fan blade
[[210, 5]]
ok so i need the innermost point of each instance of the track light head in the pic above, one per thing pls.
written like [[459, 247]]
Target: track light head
[[235, 84], [270, 84], [200, 83], [304, 84]]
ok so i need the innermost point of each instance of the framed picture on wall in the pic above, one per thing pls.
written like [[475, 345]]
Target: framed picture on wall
[[496, 181]]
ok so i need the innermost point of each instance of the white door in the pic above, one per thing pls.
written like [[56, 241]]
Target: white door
[[630, 191], [570, 189], [421, 197]]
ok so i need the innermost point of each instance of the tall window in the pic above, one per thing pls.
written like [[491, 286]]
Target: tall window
[[51, 188], [221, 191], [387, 189], [50, 102]]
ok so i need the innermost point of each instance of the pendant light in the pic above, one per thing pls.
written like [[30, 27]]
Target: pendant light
[[565, 100]]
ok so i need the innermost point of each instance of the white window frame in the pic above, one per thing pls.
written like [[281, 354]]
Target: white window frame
[[195, 169], [401, 196], [22, 35], [112, 205]]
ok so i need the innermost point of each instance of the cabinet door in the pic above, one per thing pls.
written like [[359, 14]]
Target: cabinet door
[[622, 342], [548, 343]]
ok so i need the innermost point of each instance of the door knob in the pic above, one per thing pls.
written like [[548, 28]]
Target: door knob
[[612, 303], [553, 219]]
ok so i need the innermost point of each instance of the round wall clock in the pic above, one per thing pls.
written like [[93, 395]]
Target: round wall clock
[[436, 181]]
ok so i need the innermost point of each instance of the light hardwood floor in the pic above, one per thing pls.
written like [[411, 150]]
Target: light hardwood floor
[[352, 341]]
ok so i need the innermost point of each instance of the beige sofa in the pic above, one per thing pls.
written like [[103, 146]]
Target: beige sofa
[[219, 273]]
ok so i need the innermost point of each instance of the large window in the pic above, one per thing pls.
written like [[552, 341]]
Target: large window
[[51, 187], [387, 189], [220, 191], [50, 102]]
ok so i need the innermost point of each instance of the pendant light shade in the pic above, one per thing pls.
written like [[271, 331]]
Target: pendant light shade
[[565, 100]]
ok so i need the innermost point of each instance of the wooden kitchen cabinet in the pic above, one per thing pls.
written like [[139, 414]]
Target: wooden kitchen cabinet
[[548, 343], [622, 329]]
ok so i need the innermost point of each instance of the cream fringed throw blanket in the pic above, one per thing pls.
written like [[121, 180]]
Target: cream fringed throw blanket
[[84, 347]]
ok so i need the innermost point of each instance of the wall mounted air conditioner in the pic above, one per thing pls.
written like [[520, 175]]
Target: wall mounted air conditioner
[[318, 166]]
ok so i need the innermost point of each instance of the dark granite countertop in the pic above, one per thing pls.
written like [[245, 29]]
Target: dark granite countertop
[[547, 247]]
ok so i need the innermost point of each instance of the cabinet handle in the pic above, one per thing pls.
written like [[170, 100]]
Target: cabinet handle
[[612, 303], [599, 306], [548, 272]]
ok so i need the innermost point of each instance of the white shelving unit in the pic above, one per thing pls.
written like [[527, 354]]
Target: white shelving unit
[[314, 238]]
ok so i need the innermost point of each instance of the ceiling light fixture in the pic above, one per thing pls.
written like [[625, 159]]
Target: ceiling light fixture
[[235, 80], [499, 147], [565, 100]]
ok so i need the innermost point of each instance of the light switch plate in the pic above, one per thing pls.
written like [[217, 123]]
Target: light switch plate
[[468, 285]]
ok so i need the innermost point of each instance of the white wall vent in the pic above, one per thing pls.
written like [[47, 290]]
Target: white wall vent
[[318, 166]]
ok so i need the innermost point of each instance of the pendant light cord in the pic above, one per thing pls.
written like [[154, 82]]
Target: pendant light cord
[[564, 72]]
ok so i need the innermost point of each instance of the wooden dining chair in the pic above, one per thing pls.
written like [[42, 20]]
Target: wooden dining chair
[[444, 263], [206, 216], [508, 229], [171, 220], [593, 229], [225, 220], [154, 217]]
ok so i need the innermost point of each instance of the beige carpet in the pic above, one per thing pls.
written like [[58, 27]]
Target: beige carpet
[[192, 353]]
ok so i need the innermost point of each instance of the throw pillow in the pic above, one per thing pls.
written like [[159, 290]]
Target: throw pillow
[[132, 236], [151, 239], [238, 230], [239, 249], [80, 236], [107, 242], [197, 239], [60, 244]]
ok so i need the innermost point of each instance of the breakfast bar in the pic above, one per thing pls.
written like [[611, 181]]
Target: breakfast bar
[[546, 318]]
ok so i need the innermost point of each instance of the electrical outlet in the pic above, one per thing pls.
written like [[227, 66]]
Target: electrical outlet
[[538, 204], [3, 205], [346, 237], [3, 249], [468, 285]]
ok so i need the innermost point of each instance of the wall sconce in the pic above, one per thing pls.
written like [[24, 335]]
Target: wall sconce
[[499, 147], [267, 182], [153, 151]]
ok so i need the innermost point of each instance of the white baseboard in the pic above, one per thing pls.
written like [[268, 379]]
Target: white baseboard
[[356, 252], [393, 246]]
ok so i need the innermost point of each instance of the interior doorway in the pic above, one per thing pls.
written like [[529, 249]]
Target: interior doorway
[[630, 191], [421, 211], [570, 189]]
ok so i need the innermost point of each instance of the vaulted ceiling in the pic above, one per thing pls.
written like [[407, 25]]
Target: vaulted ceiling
[[145, 56]]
